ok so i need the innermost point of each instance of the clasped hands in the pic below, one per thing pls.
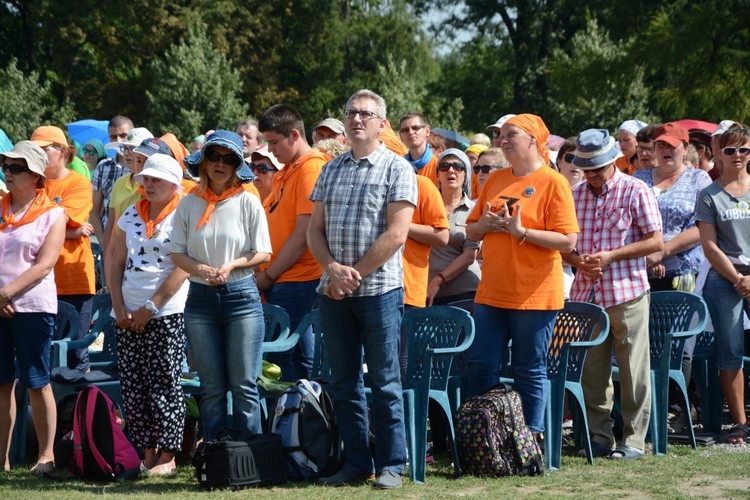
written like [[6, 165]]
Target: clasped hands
[[594, 265], [215, 276], [501, 222], [344, 281]]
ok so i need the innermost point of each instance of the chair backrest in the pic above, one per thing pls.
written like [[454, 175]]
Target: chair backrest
[[321, 366], [102, 322], [276, 321], [575, 326], [674, 316], [66, 322], [433, 331]]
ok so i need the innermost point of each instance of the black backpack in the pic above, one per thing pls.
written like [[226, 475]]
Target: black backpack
[[305, 420]]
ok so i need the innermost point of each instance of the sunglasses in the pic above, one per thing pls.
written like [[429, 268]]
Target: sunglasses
[[14, 168], [595, 170], [485, 169], [413, 128], [495, 133], [568, 157], [230, 160], [457, 167], [261, 168], [731, 151], [91, 152]]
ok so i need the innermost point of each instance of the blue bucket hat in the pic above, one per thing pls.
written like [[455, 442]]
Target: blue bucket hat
[[594, 148], [229, 140]]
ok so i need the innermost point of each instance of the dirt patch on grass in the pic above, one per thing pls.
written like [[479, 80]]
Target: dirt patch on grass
[[713, 487]]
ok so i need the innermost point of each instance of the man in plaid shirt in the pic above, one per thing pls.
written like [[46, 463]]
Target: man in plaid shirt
[[364, 201], [620, 224]]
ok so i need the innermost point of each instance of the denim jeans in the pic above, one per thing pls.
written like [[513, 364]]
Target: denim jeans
[[372, 323], [224, 325], [79, 358], [297, 298], [725, 306], [530, 332]]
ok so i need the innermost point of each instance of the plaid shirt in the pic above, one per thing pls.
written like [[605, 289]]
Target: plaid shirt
[[356, 194], [103, 179], [622, 214]]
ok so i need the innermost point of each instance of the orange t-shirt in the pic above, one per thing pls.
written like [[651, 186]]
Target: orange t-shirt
[[74, 271], [430, 211], [430, 170], [624, 166], [250, 188], [290, 197], [475, 189], [525, 276], [392, 141]]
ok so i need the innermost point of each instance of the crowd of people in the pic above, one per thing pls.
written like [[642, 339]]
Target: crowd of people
[[195, 239]]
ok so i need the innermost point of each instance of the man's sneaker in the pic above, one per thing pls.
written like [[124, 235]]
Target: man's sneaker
[[388, 480], [346, 476]]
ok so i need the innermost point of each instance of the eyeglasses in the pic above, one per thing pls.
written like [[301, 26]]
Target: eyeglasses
[[413, 128], [485, 169], [14, 168], [495, 133], [644, 149], [731, 151], [457, 167], [91, 152], [349, 114], [230, 160], [595, 170], [261, 168]]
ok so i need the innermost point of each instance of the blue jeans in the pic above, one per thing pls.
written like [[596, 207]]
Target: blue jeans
[[224, 325], [372, 323], [25, 343], [297, 298], [725, 306], [79, 358], [530, 332]]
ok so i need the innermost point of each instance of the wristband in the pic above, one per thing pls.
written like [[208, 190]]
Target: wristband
[[442, 277], [523, 238]]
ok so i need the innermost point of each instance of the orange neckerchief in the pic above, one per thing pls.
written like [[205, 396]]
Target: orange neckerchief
[[144, 205], [178, 150], [536, 127], [212, 199], [39, 206]]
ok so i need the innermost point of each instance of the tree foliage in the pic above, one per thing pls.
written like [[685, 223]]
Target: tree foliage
[[594, 85], [27, 104], [194, 88]]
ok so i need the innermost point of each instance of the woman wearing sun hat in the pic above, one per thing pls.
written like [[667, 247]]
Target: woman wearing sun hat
[[525, 218], [148, 300], [32, 231], [220, 234]]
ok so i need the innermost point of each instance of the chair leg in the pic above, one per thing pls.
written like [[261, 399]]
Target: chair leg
[[416, 439], [679, 379], [658, 422], [581, 433], [446, 409], [553, 426]]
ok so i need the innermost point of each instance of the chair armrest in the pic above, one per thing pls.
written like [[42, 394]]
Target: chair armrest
[[84, 342], [282, 344]]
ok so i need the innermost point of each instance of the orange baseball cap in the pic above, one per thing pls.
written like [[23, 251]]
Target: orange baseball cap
[[48, 134]]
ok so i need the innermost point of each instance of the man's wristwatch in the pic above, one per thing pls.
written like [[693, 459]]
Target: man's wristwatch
[[151, 307]]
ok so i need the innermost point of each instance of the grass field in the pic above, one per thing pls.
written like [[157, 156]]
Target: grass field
[[708, 472]]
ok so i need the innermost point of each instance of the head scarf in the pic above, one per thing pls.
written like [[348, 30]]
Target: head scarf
[[534, 125], [179, 151]]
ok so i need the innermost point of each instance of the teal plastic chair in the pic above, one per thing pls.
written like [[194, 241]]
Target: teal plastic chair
[[321, 366], [706, 374], [277, 338], [674, 317], [66, 322], [434, 334], [578, 327]]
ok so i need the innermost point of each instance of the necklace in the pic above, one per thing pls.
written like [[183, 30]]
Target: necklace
[[739, 191]]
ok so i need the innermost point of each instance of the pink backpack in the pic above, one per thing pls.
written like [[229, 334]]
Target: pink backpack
[[102, 452]]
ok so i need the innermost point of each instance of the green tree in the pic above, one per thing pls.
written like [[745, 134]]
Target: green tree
[[594, 84], [698, 59], [194, 88], [27, 103]]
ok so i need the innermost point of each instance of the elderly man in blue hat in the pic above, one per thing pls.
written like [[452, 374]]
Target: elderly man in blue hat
[[620, 224]]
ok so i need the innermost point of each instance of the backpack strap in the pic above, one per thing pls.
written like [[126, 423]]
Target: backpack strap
[[93, 395], [316, 393], [77, 438]]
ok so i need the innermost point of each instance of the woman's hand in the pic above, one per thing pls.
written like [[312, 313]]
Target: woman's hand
[[210, 275], [7, 311], [123, 318], [491, 222], [4, 298], [512, 223], [140, 319]]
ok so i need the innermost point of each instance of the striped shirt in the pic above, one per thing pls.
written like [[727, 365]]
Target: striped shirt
[[623, 213], [356, 194]]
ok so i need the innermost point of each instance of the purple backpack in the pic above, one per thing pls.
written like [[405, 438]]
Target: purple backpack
[[102, 452]]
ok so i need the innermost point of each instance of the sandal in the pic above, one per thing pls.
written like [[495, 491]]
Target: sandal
[[737, 434], [598, 450], [625, 452], [43, 468]]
